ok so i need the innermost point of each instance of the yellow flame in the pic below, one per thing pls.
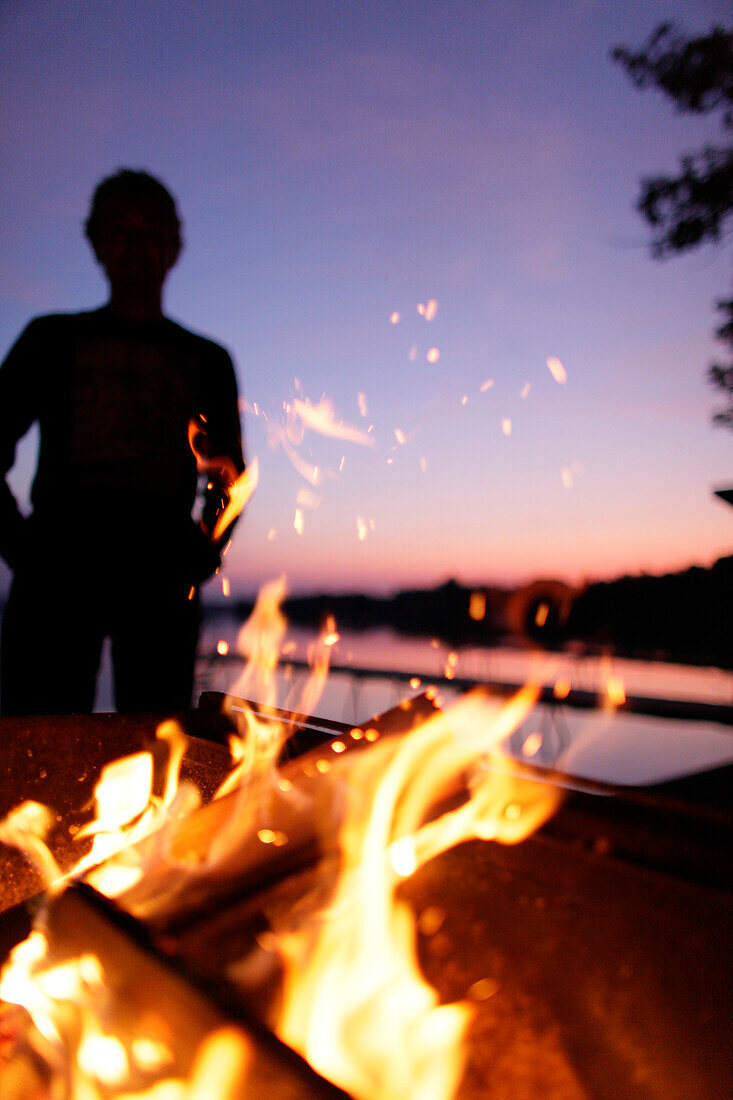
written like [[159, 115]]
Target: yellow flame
[[237, 487], [103, 1057], [25, 828], [356, 967], [239, 493]]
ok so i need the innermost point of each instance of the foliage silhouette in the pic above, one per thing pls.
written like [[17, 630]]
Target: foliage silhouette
[[695, 206]]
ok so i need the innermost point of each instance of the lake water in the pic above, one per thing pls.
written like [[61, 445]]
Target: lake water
[[598, 745], [601, 744]]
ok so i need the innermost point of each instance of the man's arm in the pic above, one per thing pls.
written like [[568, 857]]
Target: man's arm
[[19, 388]]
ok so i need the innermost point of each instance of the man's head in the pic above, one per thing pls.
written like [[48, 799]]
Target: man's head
[[134, 229]]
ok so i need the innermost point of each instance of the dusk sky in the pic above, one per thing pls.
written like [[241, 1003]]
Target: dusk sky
[[341, 168]]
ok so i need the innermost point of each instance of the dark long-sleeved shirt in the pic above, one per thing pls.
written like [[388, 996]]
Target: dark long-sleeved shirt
[[114, 399]]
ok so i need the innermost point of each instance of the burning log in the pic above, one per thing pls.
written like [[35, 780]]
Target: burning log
[[554, 962], [130, 1019]]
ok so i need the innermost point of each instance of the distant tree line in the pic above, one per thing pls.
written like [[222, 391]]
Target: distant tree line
[[683, 616]]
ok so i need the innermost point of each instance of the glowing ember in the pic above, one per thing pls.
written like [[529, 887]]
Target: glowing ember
[[557, 370], [483, 989], [532, 744], [477, 606], [615, 691], [272, 836], [561, 688], [540, 615], [428, 309]]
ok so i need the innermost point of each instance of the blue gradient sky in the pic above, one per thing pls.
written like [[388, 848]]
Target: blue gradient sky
[[337, 162]]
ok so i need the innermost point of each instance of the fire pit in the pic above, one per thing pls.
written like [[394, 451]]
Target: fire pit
[[594, 957]]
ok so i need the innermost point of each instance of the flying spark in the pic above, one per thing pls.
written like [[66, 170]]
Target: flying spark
[[428, 309], [557, 370]]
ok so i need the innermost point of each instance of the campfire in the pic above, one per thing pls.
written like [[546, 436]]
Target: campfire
[[344, 912]]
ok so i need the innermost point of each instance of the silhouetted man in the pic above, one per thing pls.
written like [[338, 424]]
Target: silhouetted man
[[111, 548]]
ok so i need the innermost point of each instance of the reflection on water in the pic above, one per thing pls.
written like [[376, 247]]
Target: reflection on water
[[387, 651], [600, 744]]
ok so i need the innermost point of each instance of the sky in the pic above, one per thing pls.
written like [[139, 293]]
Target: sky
[[402, 210]]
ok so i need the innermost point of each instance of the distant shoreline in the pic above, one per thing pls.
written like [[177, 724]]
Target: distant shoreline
[[683, 617]]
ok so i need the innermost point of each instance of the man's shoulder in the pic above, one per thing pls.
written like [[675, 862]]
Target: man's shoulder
[[51, 328], [62, 322], [197, 342]]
